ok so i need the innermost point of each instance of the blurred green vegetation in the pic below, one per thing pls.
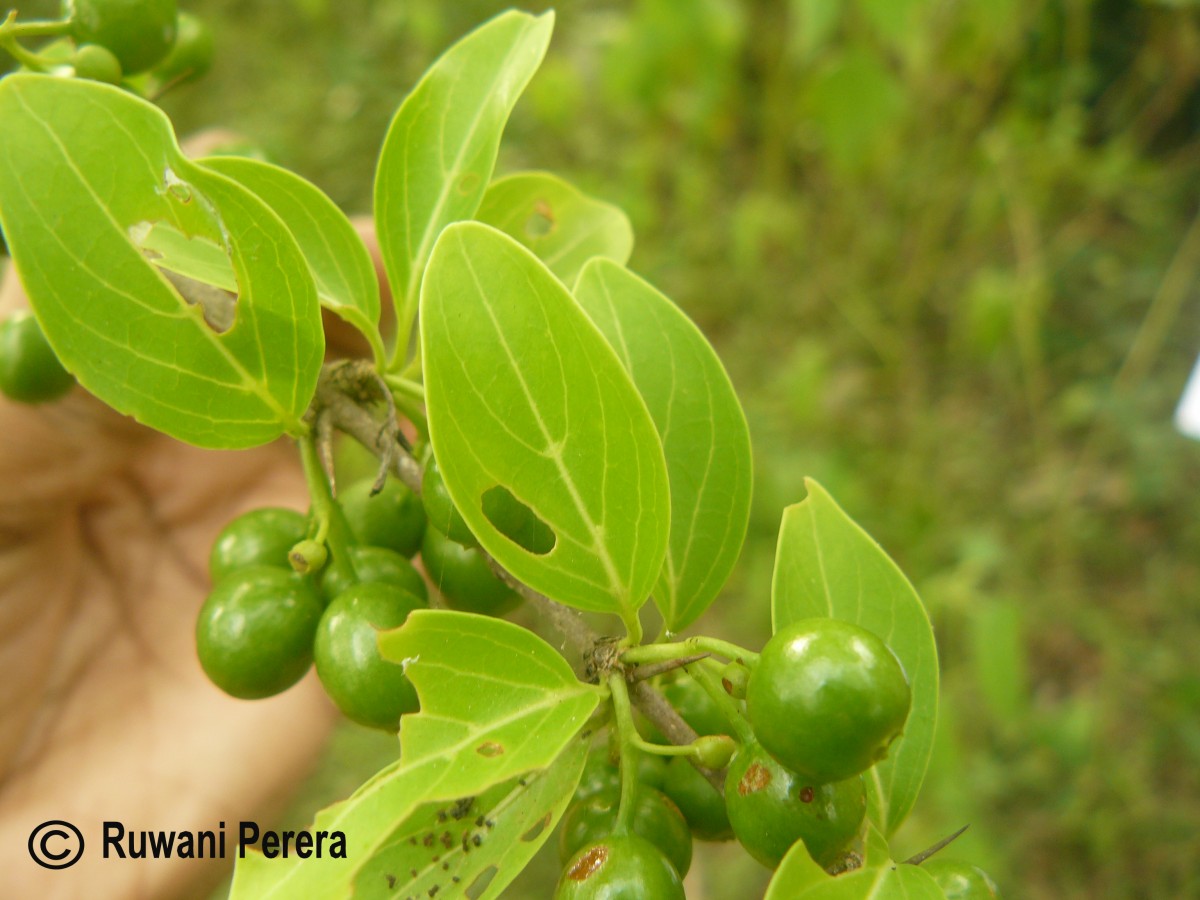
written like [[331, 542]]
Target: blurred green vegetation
[[949, 252]]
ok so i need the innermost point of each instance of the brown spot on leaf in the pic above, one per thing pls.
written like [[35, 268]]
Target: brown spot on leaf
[[589, 864], [541, 221], [490, 749], [806, 795], [468, 183], [757, 778]]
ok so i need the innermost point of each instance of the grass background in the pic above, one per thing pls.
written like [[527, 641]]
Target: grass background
[[949, 253]]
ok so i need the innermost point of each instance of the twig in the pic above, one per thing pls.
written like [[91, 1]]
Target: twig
[[384, 439]]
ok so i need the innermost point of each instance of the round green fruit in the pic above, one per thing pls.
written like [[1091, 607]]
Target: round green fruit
[[366, 687], [29, 370], [96, 63], [254, 634], [261, 537], [702, 806], [190, 56], [959, 880], [619, 867], [462, 576], [440, 509], [138, 32], [770, 808], [651, 769], [374, 564], [655, 817], [827, 698], [599, 774], [692, 702], [393, 518]]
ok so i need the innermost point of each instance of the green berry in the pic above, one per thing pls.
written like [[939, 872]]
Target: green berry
[[29, 370], [190, 56], [702, 806], [770, 808], [374, 564], [619, 867], [655, 817], [694, 705], [827, 698], [254, 634], [366, 687], [393, 518], [440, 509], [463, 577], [138, 32], [96, 63], [261, 537]]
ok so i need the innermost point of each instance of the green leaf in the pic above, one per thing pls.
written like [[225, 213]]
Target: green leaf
[[826, 565], [701, 425], [337, 256], [562, 225], [476, 845], [796, 874], [524, 393], [497, 702], [441, 147], [86, 172], [799, 878]]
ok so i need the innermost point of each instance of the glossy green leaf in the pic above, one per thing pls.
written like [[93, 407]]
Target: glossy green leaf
[[826, 565], [799, 878], [497, 702], [489, 687], [441, 147], [562, 225], [701, 425], [224, 375], [524, 392], [337, 256], [474, 846]]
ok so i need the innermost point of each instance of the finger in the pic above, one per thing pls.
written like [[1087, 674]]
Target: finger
[[53, 455]]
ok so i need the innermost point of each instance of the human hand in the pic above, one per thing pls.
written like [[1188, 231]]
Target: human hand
[[105, 529]]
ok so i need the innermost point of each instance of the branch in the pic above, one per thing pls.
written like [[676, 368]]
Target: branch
[[340, 391]]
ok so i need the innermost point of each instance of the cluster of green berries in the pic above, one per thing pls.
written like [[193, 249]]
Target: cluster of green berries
[[818, 708], [119, 38], [281, 602]]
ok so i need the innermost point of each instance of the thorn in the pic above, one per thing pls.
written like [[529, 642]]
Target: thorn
[[918, 858], [642, 673]]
